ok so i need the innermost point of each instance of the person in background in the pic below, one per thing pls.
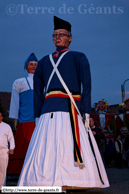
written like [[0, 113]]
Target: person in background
[[22, 111], [124, 133], [6, 136], [99, 137], [109, 154], [119, 150]]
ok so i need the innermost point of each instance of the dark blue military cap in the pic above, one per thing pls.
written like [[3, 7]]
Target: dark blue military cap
[[31, 57], [61, 24]]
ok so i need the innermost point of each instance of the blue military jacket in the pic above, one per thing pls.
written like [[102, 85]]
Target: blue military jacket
[[75, 71]]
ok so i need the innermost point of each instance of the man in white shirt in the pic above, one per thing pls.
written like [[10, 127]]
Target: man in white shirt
[[6, 136]]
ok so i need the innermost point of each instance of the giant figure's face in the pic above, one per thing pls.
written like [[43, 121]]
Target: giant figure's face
[[31, 66], [101, 106], [61, 38]]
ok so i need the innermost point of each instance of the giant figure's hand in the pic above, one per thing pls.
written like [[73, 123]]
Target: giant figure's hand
[[87, 121], [11, 152]]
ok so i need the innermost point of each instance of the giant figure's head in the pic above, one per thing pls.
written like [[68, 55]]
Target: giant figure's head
[[62, 33], [31, 63]]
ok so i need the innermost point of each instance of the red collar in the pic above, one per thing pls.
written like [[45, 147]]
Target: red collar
[[57, 52]]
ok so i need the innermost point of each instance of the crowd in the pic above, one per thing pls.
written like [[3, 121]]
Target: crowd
[[115, 149]]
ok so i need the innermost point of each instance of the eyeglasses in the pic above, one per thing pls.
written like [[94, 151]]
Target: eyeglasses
[[61, 35], [32, 64]]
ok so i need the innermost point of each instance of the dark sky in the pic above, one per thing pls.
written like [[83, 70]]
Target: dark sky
[[100, 29]]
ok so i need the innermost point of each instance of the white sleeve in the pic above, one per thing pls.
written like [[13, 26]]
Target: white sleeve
[[14, 105], [11, 139]]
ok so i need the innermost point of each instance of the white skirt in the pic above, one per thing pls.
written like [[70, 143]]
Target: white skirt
[[50, 160]]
